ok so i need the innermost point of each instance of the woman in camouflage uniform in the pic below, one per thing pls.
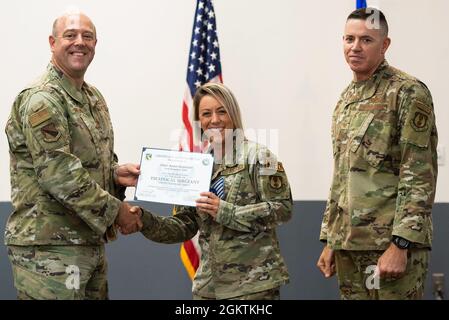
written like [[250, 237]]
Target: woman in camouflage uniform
[[237, 220]]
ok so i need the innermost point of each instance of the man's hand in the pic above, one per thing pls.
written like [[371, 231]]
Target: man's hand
[[128, 219], [392, 263], [326, 262], [126, 174]]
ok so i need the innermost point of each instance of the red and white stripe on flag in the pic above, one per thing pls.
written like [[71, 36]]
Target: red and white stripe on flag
[[204, 66]]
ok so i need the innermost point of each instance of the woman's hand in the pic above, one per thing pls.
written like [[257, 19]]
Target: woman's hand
[[208, 204]]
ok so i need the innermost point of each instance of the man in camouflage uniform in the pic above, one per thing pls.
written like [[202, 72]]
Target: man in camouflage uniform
[[66, 186], [378, 216]]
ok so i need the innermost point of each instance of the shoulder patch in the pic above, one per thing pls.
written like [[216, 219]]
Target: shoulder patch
[[38, 117], [419, 121], [276, 182], [50, 132]]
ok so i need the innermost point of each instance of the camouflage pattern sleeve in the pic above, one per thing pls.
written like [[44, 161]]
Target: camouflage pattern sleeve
[[119, 191], [418, 169], [178, 228], [273, 208], [59, 172], [324, 223]]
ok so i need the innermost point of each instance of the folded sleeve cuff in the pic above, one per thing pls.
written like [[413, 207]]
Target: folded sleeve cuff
[[112, 212], [225, 212], [147, 219]]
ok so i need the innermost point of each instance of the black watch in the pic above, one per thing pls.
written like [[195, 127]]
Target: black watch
[[401, 243]]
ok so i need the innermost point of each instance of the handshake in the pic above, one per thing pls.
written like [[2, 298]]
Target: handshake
[[128, 219]]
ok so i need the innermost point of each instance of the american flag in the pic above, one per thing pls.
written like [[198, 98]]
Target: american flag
[[204, 66], [360, 4]]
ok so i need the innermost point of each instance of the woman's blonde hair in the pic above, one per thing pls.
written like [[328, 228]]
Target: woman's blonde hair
[[223, 95]]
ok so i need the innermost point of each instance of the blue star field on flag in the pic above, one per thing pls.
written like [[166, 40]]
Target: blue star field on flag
[[204, 57]]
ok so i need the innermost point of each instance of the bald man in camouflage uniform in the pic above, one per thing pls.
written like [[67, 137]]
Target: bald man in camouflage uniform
[[66, 186], [378, 214]]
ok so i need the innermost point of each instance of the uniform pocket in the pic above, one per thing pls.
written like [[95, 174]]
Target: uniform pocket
[[232, 179], [234, 188], [85, 141], [372, 138], [90, 128], [360, 133]]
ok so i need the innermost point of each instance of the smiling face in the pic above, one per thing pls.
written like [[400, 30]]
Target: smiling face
[[214, 119], [73, 44], [364, 48]]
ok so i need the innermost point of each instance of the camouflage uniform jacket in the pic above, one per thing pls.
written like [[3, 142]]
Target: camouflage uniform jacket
[[240, 251], [385, 164], [61, 162]]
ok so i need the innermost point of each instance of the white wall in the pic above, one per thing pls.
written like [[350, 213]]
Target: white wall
[[283, 59]]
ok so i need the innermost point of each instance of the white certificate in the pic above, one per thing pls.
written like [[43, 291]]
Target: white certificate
[[174, 177]]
